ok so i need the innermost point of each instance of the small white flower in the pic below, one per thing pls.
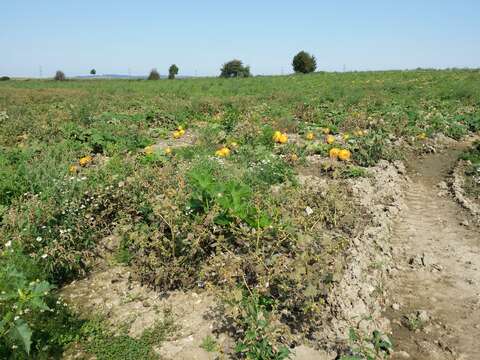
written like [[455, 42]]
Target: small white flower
[[39, 238], [8, 244], [44, 256], [16, 318]]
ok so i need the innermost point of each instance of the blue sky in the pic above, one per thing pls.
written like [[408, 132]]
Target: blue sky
[[113, 36]]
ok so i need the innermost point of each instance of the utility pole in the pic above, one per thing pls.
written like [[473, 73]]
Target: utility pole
[[344, 67], [40, 71]]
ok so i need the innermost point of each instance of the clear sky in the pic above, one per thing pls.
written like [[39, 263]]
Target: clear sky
[[116, 35]]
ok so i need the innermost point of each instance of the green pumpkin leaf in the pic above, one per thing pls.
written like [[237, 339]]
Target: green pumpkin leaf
[[22, 334]]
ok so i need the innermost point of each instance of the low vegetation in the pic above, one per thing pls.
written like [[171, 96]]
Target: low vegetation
[[199, 181], [472, 172]]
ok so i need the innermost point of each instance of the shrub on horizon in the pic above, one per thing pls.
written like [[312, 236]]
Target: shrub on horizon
[[304, 63], [172, 71], [235, 68], [154, 75], [59, 76]]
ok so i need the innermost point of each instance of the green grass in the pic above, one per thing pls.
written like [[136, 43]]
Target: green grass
[[105, 345]]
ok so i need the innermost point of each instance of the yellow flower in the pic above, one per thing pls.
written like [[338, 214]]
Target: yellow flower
[[346, 137], [344, 155], [84, 161], [326, 130], [333, 153], [294, 157], [73, 169], [148, 150], [330, 139], [310, 136], [168, 151], [223, 152]]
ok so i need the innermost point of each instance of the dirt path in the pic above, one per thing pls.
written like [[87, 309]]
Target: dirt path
[[435, 289]]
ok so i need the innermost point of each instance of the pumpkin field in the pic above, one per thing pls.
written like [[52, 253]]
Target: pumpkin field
[[211, 218]]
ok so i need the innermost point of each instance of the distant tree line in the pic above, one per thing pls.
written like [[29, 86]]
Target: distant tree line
[[302, 63]]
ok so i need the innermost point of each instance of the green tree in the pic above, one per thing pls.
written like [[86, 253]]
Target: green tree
[[93, 72], [172, 71], [154, 75], [59, 76], [235, 68], [304, 63]]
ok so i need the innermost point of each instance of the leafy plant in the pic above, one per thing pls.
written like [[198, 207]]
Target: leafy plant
[[106, 345], [32, 320], [209, 344], [232, 196], [20, 301], [371, 348], [258, 341]]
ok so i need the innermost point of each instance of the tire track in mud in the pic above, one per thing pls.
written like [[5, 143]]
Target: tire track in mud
[[436, 288]]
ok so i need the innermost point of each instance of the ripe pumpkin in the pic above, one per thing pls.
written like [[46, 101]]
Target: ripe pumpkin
[[330, 139], [84, 161], [279, 137], [178, 133], [344, 155], [333, 153], [283, 139], [223, 152]]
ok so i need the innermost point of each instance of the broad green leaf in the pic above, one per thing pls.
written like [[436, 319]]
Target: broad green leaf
[[22, 334]]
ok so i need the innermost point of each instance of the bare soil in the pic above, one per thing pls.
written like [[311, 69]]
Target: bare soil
[[435, 288]]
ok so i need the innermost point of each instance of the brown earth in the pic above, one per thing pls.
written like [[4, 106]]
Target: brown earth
[[435, 288]]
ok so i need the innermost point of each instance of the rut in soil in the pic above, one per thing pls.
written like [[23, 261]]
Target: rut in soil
[[437, 252]]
